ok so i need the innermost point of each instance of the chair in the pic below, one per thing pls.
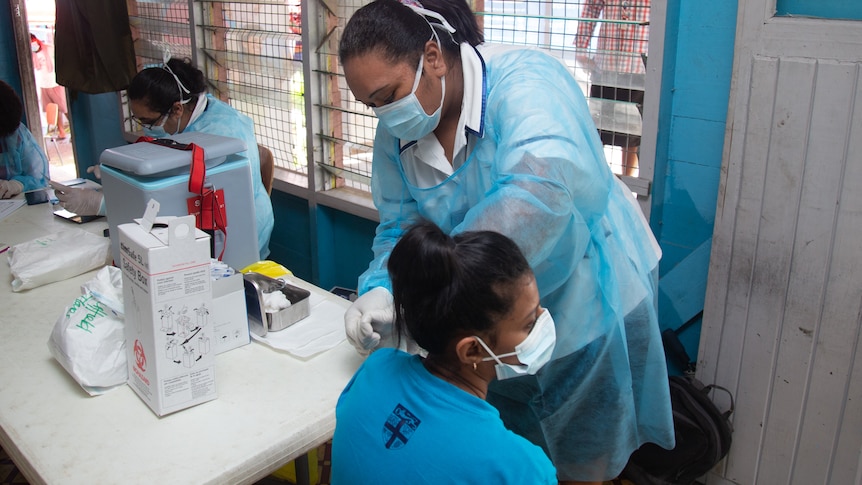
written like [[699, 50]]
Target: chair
[[52, 116], [267, 167]]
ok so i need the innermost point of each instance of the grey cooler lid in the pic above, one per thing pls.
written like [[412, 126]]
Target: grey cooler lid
[[150, 159]]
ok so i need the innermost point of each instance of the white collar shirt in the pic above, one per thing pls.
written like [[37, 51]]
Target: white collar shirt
[[424, 160]]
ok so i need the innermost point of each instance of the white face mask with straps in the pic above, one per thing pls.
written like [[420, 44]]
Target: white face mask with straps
[[533, 353], [405, 118]]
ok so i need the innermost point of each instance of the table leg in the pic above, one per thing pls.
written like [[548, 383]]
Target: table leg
[[302, 474]]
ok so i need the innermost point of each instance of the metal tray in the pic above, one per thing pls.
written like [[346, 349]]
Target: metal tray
[[260, 322]]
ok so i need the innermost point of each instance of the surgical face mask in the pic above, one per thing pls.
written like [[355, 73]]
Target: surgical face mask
[[158, 131], [533, 353], [406, 119]]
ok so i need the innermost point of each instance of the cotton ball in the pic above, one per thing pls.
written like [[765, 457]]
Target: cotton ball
[[275, 301]]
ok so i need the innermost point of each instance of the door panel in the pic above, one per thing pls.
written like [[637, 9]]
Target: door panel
[[784, 296]]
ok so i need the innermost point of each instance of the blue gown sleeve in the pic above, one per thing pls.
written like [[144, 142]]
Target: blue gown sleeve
[[25, 161], [395, 205]]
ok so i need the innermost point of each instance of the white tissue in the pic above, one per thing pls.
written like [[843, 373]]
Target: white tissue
[[275, 301]]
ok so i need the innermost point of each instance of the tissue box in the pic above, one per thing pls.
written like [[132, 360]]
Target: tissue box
[[229, 314], [168, 313]]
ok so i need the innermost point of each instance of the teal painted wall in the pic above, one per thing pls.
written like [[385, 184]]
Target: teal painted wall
[[290, 243], [8, 55], [830, 9], [97, 124], [344, 248], [698, 60]]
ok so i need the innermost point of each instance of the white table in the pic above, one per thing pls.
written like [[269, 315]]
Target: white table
[[271, 407]]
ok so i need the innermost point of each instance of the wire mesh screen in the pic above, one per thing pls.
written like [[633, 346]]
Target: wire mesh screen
[[157, 27], [347, 126], [611, 44], [603, 42], [251, 52], [251, 55]]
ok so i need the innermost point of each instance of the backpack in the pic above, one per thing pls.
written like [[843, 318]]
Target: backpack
[[702, 431]]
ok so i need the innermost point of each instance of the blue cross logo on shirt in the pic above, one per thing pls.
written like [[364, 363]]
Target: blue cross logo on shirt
[[399, 427]]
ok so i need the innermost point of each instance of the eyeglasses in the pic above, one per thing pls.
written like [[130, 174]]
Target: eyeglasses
[[148, 124]]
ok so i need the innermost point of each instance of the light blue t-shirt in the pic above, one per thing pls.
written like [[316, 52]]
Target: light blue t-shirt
[[398, 423]]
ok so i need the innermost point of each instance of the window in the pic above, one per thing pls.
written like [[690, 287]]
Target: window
[[251, 54], [259, 57]]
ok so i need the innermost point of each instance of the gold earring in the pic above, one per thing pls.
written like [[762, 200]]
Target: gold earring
[[474, 367]]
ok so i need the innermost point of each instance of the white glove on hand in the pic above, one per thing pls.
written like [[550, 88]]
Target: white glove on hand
[[10, 188], [95, 170], [370, 319], [84, 202]]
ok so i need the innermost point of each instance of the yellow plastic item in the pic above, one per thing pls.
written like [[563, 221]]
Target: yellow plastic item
[[288, 472], [267, 268]]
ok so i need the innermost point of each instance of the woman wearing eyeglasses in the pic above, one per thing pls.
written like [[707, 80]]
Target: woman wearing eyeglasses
[[172, 99]]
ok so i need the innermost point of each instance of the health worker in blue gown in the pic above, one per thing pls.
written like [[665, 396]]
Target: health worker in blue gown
[[25, 166], [481, 137], [172, 99]]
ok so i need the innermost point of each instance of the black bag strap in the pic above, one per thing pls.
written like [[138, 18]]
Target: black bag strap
[[710, 387], [675, 349]]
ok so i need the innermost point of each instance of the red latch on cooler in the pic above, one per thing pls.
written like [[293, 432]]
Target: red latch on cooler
[[208, 204]]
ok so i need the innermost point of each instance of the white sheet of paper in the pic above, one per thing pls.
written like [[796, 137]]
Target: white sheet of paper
[[9, 206], [321, 330]]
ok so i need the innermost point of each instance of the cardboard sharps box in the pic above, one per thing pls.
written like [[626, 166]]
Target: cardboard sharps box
[[168, 302]]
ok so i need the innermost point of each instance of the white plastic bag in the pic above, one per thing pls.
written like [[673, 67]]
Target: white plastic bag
[[56, 257], [88, 339]]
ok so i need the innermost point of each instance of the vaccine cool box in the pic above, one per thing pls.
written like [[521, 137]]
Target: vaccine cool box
[[135, 173]]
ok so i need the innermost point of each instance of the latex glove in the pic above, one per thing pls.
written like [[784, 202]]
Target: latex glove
[[95, 170], [10, 188], [370, 319], [84, 202]]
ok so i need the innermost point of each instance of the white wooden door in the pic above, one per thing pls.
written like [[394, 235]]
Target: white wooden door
[[784, 296]]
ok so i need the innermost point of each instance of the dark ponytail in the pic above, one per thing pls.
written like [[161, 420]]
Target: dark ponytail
[[446, 287]]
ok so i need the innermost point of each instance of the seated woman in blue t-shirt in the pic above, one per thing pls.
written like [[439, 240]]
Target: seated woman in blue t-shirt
[[471, 302]]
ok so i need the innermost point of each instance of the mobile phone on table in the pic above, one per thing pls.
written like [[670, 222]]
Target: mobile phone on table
[[38, 196]]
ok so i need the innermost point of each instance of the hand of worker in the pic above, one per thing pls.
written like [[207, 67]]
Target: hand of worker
[[10, 188], [95, 170], [84, 202], [370, 319]]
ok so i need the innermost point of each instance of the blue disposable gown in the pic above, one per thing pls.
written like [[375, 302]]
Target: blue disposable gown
[[537, 173], [23, 160], [221, 119]]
